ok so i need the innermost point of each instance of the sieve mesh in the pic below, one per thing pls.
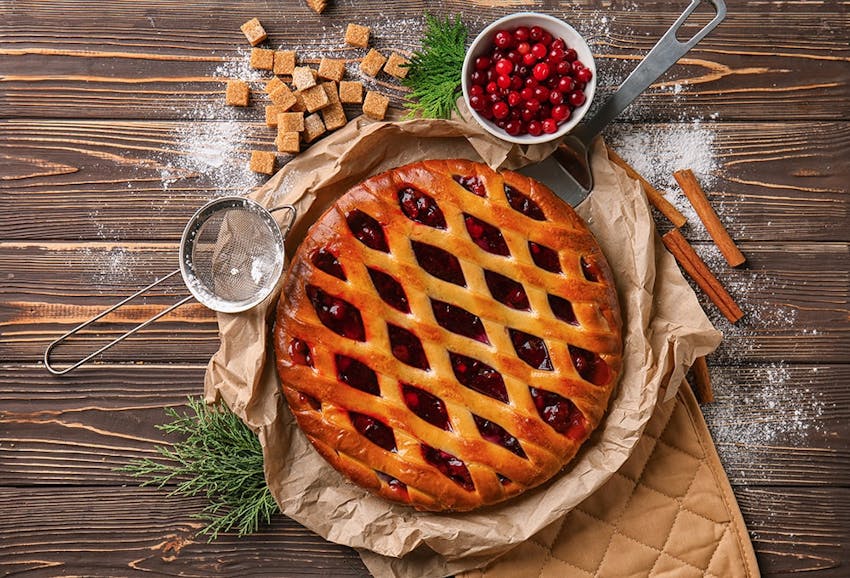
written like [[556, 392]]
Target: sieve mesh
[[232, 256]]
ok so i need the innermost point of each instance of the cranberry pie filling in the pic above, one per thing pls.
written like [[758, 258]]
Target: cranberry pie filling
[[366, 307]]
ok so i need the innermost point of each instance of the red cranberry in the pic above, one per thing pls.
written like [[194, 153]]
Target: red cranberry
[[563, 68], [521, 34], [503, 39], [546, 39], [500, 109], [559, 412], [367, 230], [556, 98], [477, 102], [427, 406], [550, 125], [492, 88], [528, 58], [565, 84], [539, 51], [570, 55], [531, 349], [541, 71], [535, 33], [389, 290], [541, 93], [513, 57], [459, 320], [374, 430], [478, 78], [326, 261], [577, 98], [584, 75], [406, 347], [482, 63], [523, 48], [535, 128], [479, 376], [476, 90], [590, 270], [472, 184], [590, 366], [504, 66], [503, 81], [449, 466], [523, 204], [300, 353], [556, 55], [507, 291], [338, 315], [561, 112], [356, 374], [577, 65], [514, 127], [559, 44], [544, 257]]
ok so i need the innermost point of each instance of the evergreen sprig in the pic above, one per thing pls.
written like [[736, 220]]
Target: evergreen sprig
[[219, 458], [435, 71]]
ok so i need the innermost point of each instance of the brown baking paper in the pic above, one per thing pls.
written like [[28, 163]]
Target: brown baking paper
[[665, 330]]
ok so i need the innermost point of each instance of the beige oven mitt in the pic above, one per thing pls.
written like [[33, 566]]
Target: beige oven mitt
[[669, 511]]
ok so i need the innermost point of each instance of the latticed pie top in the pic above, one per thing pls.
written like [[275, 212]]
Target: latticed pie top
[[448, 336]]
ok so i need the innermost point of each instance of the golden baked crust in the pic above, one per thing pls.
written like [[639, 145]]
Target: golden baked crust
[[430, 348]]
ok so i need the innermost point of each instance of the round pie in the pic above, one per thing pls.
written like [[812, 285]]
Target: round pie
[[448, 336]]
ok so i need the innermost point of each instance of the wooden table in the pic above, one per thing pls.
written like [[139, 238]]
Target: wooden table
[[96, 99]]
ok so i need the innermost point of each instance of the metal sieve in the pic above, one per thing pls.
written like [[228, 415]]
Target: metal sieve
[[231, 258]]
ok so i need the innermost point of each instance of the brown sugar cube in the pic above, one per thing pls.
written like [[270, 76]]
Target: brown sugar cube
[[334, 116], [313, 128], [283, 97], [290, 122], [372, 62], [396, 65], [375, 105], [273, 84], [284, 61], [254, 31], [330, 90], [351, 91], [315, 98], [357, 35], [331, 69], [288, 142], [262, 58], [317, 6], [271, 115], [299, 105], [262, 162], [237, 93], [303, 77]]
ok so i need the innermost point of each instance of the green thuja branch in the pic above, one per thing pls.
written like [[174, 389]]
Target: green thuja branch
[[435, 71], [218, 457]]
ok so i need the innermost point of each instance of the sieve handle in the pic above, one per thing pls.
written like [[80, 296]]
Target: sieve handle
[[293, 213], [55, 371]]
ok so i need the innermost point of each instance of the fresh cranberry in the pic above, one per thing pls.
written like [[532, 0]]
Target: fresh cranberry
[[556, 55], [507, 291], [577, 98], [503, 39], [527, 115], [513, 57], [559, 44], [535, 33], [535, 128], [541, 93], [539, 51], [406, 347], [389, 290], [494, 433], [373, 430], [356, 374], [550, 125], [556, 98], [482, 63], [486, 236], [563, 68], [478, 78], [521, 34], [516, 82], [523, 204], [570, 55], [449, 466], [561, 112], [459, 320], [326, 261], [514, 98], [523, 48], [336, 314], [565, 84], [299, 352], [528, 58], [577, 65], [492, 87], [531, 349], [476, 90], [546, 39], [590, 366], [479, 376], [477, 102], [544, 257], [541, 71], [439, 263], [514, 127], [584, 75], [427, 406], [503, 81], [533, 103], [500, 109], [367, 230]]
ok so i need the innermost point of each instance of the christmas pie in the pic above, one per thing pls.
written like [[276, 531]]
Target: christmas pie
[[448, 336]]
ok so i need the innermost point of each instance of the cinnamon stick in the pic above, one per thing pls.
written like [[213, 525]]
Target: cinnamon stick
[[709, 218], [652, 194], [702, 381], [700, 273]]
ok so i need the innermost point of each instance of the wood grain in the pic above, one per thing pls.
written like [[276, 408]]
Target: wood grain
[[107, 180], [157, 63]]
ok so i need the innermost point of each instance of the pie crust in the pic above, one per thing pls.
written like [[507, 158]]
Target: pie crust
[[448, 336]]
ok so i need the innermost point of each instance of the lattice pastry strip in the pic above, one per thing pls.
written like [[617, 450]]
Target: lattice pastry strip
[[448, 336]]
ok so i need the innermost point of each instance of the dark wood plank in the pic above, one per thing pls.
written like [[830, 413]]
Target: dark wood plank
[[798, 530], [107, 180], [98, 531], [773, 425], [147, 64], [795, 297]]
